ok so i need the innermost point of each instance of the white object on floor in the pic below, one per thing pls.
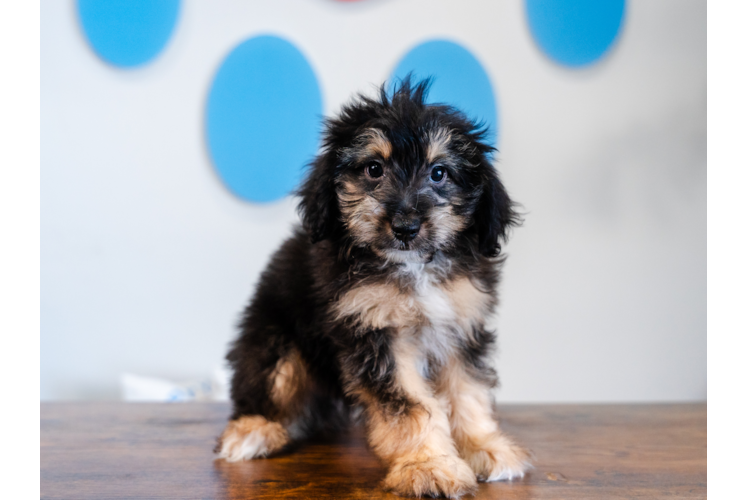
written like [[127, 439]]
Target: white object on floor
[[142, 388]]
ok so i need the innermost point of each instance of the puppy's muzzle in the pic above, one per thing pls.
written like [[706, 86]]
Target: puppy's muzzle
[[405, 228]]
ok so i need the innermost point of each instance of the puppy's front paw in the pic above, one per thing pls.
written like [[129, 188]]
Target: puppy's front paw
[[435, 476], [498, 459], [250, 437]]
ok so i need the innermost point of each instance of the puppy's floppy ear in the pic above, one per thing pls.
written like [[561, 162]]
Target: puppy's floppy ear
[[494, 214], [318, 206]]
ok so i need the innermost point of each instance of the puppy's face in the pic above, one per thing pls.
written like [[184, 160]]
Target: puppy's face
[[405, 179], [406, 194]]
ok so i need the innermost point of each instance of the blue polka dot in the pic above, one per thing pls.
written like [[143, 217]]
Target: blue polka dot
[[128, 32], [263, 118], [458, 80], [575, 32]]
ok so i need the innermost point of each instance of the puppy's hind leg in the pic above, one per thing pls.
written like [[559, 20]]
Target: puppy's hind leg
[[251, 436], [267, 404]]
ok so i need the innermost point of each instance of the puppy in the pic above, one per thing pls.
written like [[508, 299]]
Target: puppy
[[379, 302]]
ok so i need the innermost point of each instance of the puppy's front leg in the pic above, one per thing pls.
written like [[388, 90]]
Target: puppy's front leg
[[491, 453], [407, 427]]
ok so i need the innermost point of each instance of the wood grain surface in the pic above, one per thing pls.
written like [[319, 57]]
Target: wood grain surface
[[158, 451]]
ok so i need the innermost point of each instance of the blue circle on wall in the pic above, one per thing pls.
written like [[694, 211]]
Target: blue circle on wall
[[575, 32], [263, 118], [458, 80], [128, 33]]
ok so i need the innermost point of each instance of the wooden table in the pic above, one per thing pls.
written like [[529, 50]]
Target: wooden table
[[126, 450]]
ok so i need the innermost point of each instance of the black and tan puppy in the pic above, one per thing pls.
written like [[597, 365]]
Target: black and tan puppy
[[380, 301]]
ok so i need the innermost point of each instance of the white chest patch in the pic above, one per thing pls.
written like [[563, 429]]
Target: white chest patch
[[450, 311], [432, 299]]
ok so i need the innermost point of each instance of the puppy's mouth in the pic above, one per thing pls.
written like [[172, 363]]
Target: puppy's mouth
[[404, 246], [413, 250], [405, 256]]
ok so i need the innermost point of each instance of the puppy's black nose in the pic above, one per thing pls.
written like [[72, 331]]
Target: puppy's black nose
[[405, 228]]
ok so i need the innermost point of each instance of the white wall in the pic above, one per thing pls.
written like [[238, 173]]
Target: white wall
[[147, 259]]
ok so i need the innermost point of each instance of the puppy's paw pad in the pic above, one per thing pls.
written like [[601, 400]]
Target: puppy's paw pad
[[436, 476], [251, 437], [499, 460]]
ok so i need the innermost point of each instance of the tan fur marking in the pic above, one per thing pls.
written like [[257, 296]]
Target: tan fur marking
[[378, 143], [441, 475], [470, 304], [249, 437], [446, 224], [360, 213], [417, 444], [372, 142], [379, 306], [289, 384], [438, 144], [490, 453], [391, 436]]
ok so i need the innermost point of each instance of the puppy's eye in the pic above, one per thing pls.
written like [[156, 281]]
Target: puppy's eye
[[374, 170], [438, 174]]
